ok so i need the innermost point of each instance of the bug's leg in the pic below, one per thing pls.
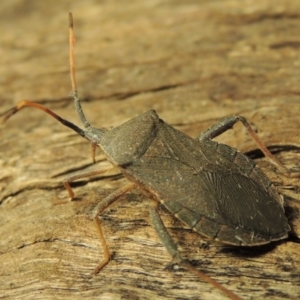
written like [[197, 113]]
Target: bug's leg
[[94, 148], [227, 123], [98, 210], [88, 172], [171, 247]]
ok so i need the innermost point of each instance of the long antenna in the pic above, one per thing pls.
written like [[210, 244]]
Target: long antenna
[[27, 103], [78, 107]]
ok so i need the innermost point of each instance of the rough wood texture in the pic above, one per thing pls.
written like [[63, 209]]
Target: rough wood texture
[[194, 62]]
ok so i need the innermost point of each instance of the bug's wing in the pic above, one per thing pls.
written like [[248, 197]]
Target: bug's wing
[[247, 208], [232, 209], [223, 205]]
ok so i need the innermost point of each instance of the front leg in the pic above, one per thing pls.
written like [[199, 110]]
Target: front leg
[[87, 172], [110, 199]]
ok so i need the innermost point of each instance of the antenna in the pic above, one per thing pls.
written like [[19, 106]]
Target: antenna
[[78, 107], [27, 103]]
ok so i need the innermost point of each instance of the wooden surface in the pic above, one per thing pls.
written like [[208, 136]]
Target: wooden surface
[[194, 62]]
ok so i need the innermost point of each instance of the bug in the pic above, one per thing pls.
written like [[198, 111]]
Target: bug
[[214, 189]]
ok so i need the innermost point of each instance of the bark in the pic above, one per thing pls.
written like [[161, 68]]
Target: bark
[[194, 62]]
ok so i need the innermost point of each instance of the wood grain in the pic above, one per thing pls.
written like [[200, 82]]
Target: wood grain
[[194, 62]]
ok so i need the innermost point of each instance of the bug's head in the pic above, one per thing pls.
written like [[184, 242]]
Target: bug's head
[[94, 134]]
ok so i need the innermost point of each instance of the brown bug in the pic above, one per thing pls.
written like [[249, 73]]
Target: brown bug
[[211, 187]]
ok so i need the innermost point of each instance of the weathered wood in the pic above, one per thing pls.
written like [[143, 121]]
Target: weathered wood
[[194, 62]]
